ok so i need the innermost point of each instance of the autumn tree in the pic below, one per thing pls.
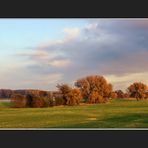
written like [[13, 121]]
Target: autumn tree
[[72, 96], [94, 97], [126, 95], [95, 86], [120, 93], [137, 90], [64, 89], [113, 95]]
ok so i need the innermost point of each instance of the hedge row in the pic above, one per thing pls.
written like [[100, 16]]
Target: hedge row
[[22, 101]]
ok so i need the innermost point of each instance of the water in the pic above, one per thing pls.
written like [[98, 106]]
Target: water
[[4, 100]]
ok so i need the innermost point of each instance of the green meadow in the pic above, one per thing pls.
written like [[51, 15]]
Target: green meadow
[[114, 114]]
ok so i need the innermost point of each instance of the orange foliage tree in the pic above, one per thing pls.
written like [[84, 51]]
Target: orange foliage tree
[[137, 90], [74, 97], [70, 96], [92, 87]]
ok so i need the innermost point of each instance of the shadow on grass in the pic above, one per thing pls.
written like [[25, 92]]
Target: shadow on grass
[[137, 120]]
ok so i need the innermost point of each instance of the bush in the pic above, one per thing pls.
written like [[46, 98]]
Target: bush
[[18, 101], [37, 102], [30, 100], [113, 95], [59, 101], [40, 102]]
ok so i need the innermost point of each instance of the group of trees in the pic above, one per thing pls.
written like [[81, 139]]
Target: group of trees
[[120, 94], [7, 93], [90, 89], [136, 90], [30, 100]]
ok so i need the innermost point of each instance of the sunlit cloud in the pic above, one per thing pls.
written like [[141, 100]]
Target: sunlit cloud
[[117, 49]]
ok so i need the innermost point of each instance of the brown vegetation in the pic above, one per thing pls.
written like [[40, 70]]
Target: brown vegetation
[[18, 101], [69, 95], [94, 88], [90, 89], [138, 90]]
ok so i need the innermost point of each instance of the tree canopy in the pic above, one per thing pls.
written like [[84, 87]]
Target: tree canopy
[[137, 90], [94, 85]]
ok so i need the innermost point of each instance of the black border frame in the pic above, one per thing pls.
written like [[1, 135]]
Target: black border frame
[[116, 139], [73, 138], [73, 9]]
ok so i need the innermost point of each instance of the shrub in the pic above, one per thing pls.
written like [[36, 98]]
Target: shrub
[[113, 95], [37, 102], [59, 101], [40, 102], [119, 93], [18, 101]]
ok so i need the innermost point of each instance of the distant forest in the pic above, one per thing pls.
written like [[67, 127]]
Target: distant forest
[[7, 93]]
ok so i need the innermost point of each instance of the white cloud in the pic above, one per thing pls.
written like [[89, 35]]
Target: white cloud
[[122, 82], [60, 63], [73, 32]]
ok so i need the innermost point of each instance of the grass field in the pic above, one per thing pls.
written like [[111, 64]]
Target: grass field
[[115, 114]]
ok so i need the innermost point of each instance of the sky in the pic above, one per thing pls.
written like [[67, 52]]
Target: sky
[[41, 53]]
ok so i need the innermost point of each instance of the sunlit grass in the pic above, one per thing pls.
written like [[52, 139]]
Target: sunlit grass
[[115, 114]]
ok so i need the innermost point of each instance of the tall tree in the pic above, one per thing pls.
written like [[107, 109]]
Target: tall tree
[[94, 85], [64, 90]]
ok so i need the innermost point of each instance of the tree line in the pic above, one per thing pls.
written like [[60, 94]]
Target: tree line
[[90, 89]]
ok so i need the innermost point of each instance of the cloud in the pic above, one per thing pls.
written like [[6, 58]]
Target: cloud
[[60, 63], [71, 33], [116, 48], [23, 78], [122, 82]]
